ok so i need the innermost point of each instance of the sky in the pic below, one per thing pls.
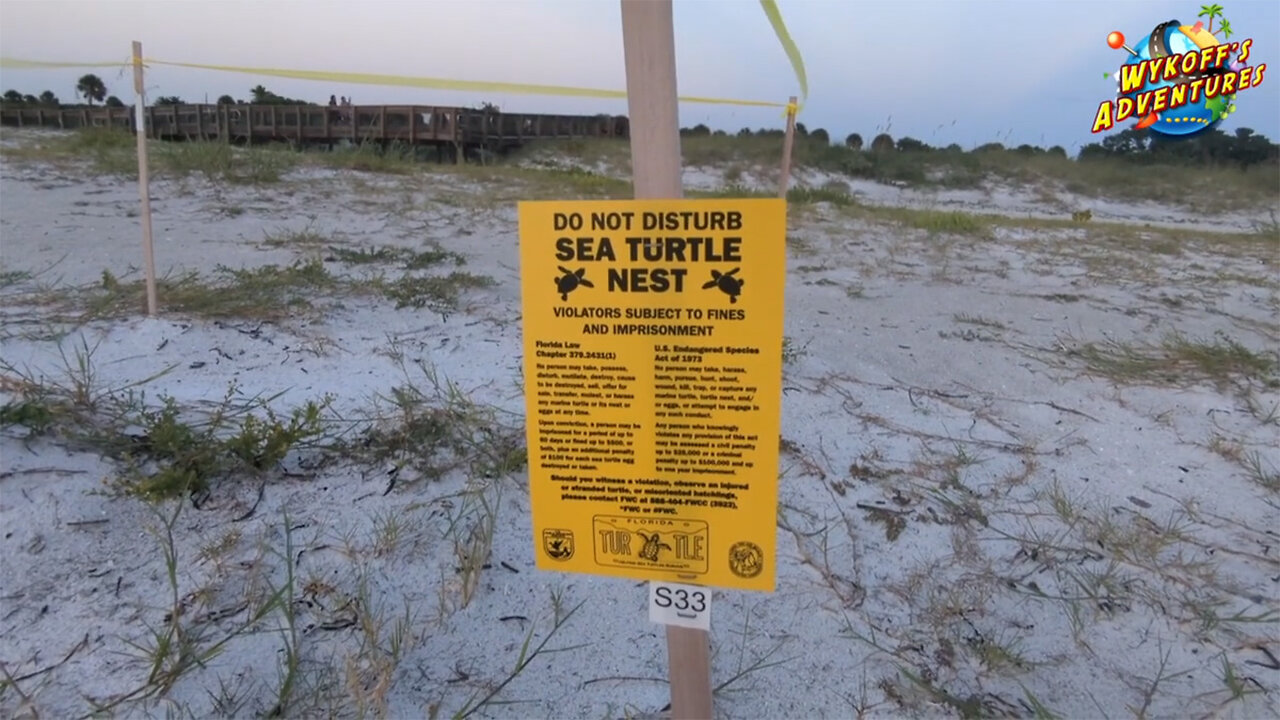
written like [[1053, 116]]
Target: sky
[[941, 71]]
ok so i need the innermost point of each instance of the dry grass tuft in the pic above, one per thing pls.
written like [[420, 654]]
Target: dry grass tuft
[[1177, 360]]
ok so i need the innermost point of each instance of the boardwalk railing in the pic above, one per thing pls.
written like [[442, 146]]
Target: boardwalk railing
[[462, 128]]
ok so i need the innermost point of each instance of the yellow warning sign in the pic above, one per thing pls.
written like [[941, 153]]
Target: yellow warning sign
[[653, 383]]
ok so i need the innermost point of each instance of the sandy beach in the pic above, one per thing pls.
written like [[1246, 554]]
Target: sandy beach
[[1029, 466]]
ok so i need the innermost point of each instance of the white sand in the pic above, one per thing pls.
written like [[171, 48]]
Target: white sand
[[960, 431]]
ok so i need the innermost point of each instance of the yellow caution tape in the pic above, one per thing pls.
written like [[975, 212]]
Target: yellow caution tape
[[770, 9], [16, 64], [396, 80], [789, 45]]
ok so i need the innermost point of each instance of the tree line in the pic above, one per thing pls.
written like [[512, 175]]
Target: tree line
[[1243, 148], [92, 89]]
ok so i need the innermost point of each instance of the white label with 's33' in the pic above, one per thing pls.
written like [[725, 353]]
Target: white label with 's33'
[[676, 604]]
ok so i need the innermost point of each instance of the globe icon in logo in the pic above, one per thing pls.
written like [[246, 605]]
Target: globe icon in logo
[[1169, 39]]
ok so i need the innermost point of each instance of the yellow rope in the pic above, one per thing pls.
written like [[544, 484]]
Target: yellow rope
[[788, 45], [770, 8], [392, 80]]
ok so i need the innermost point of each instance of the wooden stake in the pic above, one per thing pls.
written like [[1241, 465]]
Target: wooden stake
[[784, 183], [648, 42], [144, 183]]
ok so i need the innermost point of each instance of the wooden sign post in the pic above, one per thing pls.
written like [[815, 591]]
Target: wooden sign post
[[144, 189], [653, 378], [648, 41], [785, 182]]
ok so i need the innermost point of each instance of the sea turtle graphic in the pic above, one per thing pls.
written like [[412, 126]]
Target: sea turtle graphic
[[651, 545], [566, 283], [727, 283]]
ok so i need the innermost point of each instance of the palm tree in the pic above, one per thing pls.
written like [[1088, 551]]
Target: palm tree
[[1212, 11], [92, 88], [1225, 28]]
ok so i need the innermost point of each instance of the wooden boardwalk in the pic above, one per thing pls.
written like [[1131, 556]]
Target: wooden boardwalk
[[452, 130]]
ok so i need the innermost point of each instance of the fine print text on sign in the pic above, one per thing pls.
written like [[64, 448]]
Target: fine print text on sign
[[652, 370]]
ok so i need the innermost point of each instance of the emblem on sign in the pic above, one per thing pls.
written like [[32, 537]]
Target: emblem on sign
[[651, 543], [746, 560], [557, 544]]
